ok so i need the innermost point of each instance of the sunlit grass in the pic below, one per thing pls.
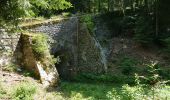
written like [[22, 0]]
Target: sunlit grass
[[84, 91], [28, 22], [113, 92]]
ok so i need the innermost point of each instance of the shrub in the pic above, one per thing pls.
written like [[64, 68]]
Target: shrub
[[89, 22], [103, 78], [113, 95], [153, 82], [127, 92], [127, 65], [24, 91], [152, 76], [41, 51], [39, 45]]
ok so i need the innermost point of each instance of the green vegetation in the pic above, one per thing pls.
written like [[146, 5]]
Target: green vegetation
[[88, 20], [128, 65], [104, 78], [10, 67], [138, 93], [40, 48], [25, 91], [88, 91], [12, 10], [146, 22], [2, 91], [39, 45]]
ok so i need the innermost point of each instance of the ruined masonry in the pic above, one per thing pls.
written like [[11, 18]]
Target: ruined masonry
[[8, 45]]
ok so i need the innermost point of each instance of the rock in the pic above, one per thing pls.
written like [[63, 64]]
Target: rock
[[45, 71], [48, 78]]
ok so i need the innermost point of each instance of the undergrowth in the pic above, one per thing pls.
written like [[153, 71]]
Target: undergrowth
[[10, 67], [24, 91], [88, 20], [2, 91]]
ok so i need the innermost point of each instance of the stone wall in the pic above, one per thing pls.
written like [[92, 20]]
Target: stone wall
[[8, 45], [89, 54], [77, 49], [71, 41]]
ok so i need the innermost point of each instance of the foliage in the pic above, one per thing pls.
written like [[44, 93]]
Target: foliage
[[144, 30], [2, 91], [103, 78], [12, 10], [114, 22], [112, 92], [40, 48], [128, 65], [24, 91], [10, 67], [89, 22], [167, 44], [66, 14], [28, 73], [85, 91], [138, 93], [39, 45], [152, 80], [152, 77]]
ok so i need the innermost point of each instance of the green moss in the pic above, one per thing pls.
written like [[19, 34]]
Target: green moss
[[39, 45]]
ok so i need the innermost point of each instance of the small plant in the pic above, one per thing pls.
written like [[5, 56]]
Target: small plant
[[24, 91], [152, 77]]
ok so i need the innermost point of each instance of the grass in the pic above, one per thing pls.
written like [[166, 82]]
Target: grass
[[33, 22], [2, 91], [112, 92], [85, 91], [24, 91]]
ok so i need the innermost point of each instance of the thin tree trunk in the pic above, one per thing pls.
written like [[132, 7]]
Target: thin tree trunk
[[99, 6], [157, 28], [108, 4]]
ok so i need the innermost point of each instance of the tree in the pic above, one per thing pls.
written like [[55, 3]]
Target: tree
[[12, 10]]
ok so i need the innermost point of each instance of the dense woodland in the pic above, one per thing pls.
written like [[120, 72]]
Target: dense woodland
[[128, 76]]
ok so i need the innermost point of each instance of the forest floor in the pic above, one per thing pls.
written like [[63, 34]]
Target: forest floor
[[18, 87], [11, 83], [14, 86]]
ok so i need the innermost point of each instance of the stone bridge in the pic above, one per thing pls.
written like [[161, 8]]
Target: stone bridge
[[70, 40]]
